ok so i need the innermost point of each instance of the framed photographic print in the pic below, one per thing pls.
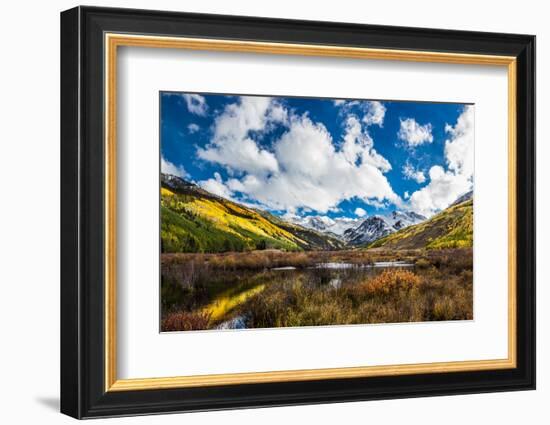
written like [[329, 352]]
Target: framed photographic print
[[261, 212]]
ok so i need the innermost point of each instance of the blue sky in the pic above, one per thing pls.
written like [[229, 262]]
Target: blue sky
[[315, 156]]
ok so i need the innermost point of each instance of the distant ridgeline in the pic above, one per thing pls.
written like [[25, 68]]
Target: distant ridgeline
[[194, 220]]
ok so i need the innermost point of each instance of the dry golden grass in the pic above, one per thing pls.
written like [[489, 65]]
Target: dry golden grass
[[459, 258], [439, 287]]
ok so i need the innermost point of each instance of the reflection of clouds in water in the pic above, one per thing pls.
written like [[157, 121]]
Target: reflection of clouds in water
[[392, 264], [338, 266], [235, 323]]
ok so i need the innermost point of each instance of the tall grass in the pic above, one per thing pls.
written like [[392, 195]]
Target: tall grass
[[439, 287], [391, 297], [185, 321]]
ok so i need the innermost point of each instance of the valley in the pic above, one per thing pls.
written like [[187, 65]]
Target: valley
[[226, 265], [194, 220]]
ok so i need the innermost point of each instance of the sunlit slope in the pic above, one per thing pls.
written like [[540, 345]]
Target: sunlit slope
[[313, 238], [193, 220], [451, 228]]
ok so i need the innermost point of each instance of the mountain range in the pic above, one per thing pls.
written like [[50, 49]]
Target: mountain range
[[194, 220], [322, 223], [378, 226]]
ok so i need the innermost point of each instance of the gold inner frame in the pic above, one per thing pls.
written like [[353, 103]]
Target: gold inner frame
[[113, 41]]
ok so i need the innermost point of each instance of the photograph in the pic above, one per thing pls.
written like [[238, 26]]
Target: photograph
[[268, 211], [282, 211]]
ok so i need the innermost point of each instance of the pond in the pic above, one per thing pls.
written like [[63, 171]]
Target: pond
[[340, 266]]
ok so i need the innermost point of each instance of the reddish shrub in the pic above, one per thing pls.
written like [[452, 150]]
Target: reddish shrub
[[185, 321], [389, 280]]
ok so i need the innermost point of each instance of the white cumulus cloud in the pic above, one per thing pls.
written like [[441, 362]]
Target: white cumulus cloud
[[216, 186], [411, 173], [360, 212], [446, 186], [314, 175], [196, 104], [358, 145], [459, 149], [413, 133], [301, 169], [193, 128], [372, 112], [232, 145], [168, 167]]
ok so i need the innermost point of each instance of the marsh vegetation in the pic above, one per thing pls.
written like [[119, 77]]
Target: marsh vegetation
[[274, 288]]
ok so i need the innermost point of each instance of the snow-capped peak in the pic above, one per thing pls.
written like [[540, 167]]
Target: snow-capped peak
[[357, 231], [378, 226], [326, 224]]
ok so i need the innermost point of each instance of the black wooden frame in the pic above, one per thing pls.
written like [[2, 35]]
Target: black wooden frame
[[82, 212]]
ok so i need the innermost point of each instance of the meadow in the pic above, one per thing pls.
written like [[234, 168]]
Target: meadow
[[274, 288]]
